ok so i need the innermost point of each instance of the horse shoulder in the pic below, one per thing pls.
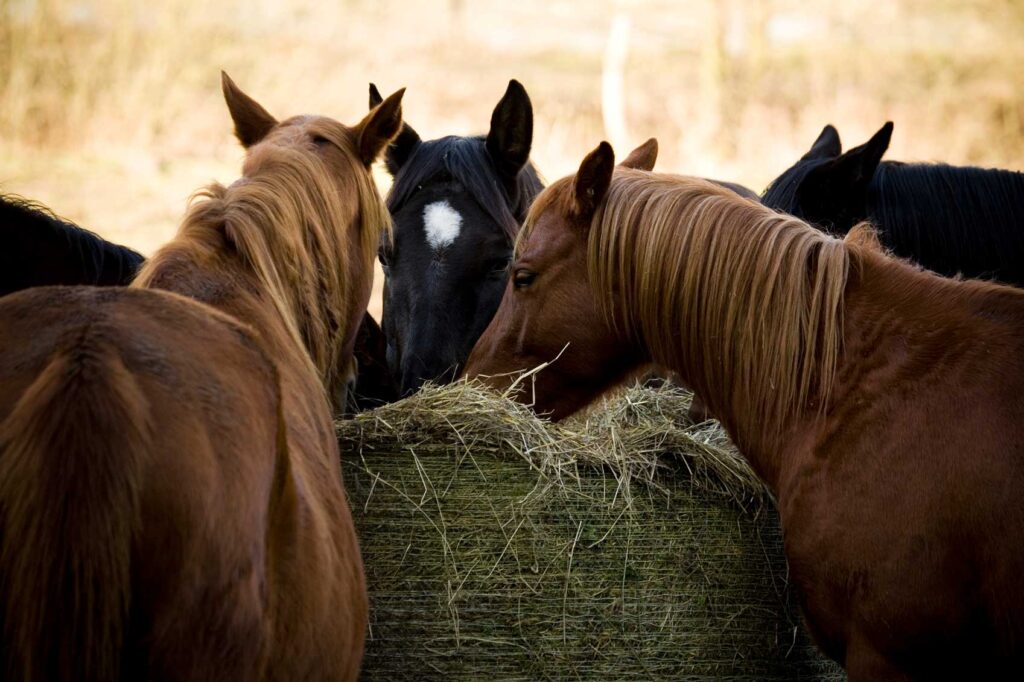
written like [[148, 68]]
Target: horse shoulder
[[917, 468]]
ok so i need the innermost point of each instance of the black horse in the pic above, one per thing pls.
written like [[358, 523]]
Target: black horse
[[39, 248], [950, 219], [457, 204]]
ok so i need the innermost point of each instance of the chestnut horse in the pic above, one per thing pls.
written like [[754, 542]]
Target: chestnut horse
[[171, 499], [882, 404]]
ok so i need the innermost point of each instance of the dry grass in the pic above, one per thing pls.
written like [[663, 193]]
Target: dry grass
[[628, 436], [110, 110], [627, 544]]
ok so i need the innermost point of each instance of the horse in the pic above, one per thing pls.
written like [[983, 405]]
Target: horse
[[371, 384], [880, 402], [40, 248], [43, 249], [954, 220], [456, 203], [171, 497]]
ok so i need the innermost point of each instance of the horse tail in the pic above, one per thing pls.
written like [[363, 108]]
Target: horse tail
[[72, 452]]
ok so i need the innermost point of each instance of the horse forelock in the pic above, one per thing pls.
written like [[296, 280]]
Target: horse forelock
[[556, 197], [748, 301], [289, 220], [466, 160]]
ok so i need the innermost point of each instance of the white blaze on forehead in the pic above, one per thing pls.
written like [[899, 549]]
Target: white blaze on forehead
[[442, 223]]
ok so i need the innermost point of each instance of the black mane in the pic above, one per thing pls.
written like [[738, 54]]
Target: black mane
[[465, 159], [38, 248], [781, 193], [954, 219]]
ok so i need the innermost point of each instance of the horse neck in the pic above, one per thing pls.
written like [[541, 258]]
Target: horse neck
[[901, 320], [952, 219], [744, 329], [899, 324], [117, 264], [227, 284], [41, 250], [761, 447]]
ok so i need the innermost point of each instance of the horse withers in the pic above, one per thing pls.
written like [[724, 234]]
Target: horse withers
[[954, 220], [171, 500], [457, 204], [881, 403]]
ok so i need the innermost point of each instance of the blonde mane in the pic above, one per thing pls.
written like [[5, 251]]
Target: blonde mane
[[748, 300], [288, 222]]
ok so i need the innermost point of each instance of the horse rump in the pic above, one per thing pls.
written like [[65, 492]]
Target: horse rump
[[71, 455]]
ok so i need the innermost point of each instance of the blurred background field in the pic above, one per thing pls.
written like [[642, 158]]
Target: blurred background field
[[111, 113]]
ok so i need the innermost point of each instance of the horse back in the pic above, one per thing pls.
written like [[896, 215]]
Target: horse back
[[137, 415]]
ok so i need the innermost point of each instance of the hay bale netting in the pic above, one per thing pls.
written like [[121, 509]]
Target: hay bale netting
[[625, 546]]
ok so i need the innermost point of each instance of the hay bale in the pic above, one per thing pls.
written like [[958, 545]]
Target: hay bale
[[625, 545]]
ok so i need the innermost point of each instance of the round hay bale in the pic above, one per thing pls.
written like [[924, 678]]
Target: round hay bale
[[623, 545]]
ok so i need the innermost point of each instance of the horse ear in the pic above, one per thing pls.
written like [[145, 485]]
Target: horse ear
[[511, 134], [375, 98], [592, 180], [252, 122], [827, 146], [643, 157], [379, 127], [834, 194], [856, 167], [402, 147], [872, 151]]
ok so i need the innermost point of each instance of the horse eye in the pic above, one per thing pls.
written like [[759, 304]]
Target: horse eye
[[385, 254], [523, 278], [320, 141]]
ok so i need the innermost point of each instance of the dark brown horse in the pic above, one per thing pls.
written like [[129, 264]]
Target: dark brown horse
[[884, 405], [171, 501]]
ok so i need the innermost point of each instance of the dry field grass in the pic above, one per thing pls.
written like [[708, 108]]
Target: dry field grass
[[110, 110]]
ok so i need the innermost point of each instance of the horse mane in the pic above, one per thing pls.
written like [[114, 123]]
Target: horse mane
[[101, 262], [286, 219], [466, 160], [747, 300], [951, 215], [781, 192]]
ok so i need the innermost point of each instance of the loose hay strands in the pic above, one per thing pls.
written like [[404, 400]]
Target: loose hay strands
[[630, 436], [623, 544]]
